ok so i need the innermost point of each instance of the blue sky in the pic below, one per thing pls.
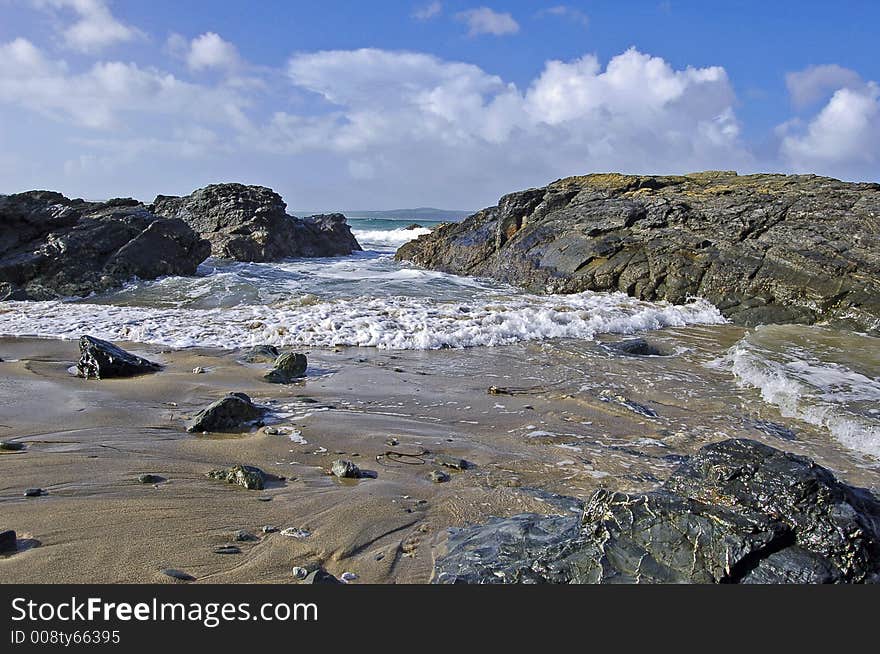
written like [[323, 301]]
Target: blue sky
[[389, 104]]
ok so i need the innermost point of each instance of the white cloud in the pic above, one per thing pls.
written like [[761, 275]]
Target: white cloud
[[843, 138], [428, 11], [815, 83], [564, 11], [486, 21], [94, 27], [210, 51], [99, 96]]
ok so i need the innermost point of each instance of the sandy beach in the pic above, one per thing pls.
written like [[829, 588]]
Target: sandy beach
[[549, 429]]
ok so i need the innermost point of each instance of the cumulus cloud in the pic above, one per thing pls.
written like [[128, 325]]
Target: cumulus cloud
[[210, 51], [842, 138], [483, 20], [428, 11], [815, 83], [101, 95], [94, 26]]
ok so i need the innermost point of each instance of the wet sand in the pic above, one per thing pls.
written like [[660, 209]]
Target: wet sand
[[559, 426]]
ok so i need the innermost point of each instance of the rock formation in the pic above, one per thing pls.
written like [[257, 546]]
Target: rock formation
[[52, 246], [736, 512], [250, 223], [762, 248]]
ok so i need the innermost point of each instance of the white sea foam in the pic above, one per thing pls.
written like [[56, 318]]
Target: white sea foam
[[388, 237], [804, 383], [409, 323]]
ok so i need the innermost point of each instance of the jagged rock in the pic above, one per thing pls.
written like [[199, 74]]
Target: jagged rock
[[736, 512], [249, 477], [288, 367], [250, 223], [345, 469], [231, 413], [103, 360], [7, 540], [52, 246], [762, 248]]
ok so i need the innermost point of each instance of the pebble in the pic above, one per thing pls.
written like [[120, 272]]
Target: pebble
[[300, 572], [33, 492], [150, 479], [269, 529], [264, 498], [11, 446], [348, 576], [227, 549], [438, 476], [177, 574], [294, 532], [392, 442]]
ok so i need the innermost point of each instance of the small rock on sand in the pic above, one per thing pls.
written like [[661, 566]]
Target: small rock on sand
[[288, 367], [249, 477], [232, 412], [345, 469], [321, 576], [243, 536], [11, 446], [102, 360], [180, 575], [227, 549], [33, 492], [150, 479], [300, 572], [294, 532], [451, 461]]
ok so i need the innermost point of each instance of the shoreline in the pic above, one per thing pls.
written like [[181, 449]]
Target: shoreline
[[87, 442]]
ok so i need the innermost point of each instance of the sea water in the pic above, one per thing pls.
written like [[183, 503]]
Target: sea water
[[823, 379]]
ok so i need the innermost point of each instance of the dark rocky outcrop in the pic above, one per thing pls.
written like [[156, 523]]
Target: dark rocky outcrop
[[103, 360], [52, 246], [762, 248], [231, 413], [736, 512], [250, 223]]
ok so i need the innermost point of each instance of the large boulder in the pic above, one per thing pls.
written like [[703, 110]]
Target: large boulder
[[762, 248], [52, 246], [250, 223], [736, 512]]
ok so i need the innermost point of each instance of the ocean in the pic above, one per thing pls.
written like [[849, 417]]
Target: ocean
[[813, 379]]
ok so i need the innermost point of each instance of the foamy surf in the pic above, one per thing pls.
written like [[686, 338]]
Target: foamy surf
[[825, 378], [406, 323], [388, 238]]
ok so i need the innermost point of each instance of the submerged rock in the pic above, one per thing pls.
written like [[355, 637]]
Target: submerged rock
[[249, 477], [289, 367], [250, 223], [103, 360], [8, 540], [231, 413], [736, 512], [761, 248], [637, 347], [55, 247]]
